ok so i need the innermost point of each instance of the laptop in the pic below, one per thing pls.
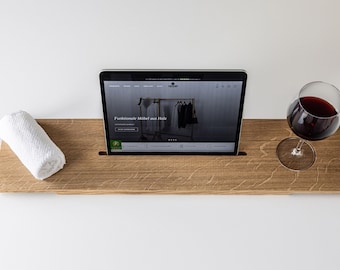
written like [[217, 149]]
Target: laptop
[[172, 111]]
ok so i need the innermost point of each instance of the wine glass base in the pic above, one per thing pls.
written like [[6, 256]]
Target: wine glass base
[[292, 159]]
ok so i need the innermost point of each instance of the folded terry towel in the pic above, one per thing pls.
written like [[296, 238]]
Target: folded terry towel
[[31, 144]]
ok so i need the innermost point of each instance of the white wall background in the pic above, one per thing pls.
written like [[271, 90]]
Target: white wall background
[[50, 55], [52, 51]]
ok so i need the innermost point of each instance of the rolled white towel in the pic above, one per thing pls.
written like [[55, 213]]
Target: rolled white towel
[[31, 144]]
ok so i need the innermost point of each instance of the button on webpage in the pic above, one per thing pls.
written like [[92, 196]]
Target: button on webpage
[[126, 129]]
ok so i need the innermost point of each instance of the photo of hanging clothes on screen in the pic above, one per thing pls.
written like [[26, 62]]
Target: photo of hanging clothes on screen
[[158, 120]]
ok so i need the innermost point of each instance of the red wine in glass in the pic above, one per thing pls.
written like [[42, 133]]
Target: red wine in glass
[[313, 116]]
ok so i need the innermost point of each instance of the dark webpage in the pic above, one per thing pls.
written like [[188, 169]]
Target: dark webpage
[[173, 116]]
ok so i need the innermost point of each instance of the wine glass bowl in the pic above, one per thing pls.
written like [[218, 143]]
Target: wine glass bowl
[[313, 115]]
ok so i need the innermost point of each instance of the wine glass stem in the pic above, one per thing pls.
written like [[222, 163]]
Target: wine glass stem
[[297, 150]]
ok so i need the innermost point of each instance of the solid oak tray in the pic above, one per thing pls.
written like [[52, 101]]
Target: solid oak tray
[[257, 172]]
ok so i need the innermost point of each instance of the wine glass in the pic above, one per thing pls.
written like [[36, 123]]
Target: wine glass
[[313, 116]]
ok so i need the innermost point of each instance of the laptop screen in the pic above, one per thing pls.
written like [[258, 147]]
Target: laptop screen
[[172, 111]]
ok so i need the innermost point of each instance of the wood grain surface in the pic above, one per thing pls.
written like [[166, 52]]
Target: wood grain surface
[[258, 172]]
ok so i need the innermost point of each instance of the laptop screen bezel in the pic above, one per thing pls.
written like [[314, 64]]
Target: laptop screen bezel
[[172, 75]]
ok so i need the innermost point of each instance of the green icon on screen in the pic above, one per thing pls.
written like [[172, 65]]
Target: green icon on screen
[[116, 144]]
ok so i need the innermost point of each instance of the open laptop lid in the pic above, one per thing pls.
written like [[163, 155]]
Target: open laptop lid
[[172, 111]]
